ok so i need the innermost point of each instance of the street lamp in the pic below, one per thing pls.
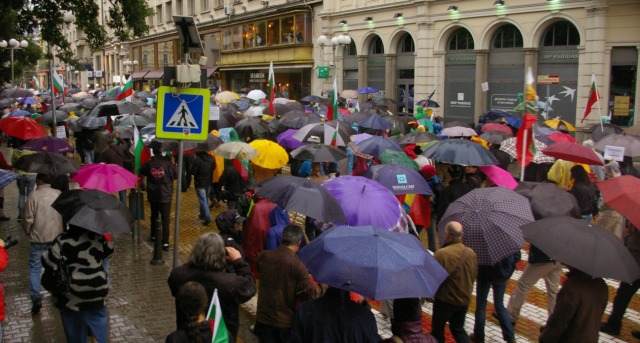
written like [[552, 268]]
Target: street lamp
[[340, 40], [13, 44], [127, 65]]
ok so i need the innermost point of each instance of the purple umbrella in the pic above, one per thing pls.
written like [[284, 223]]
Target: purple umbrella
[[399, 179], [19, 113], [48, 143], [376, 145], [366, 202], [286, 140]]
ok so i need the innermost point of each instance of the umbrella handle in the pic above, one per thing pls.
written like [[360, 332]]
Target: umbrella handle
[[412, 226]]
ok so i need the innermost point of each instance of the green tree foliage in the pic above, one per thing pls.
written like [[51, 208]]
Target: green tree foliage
[[22, 19]]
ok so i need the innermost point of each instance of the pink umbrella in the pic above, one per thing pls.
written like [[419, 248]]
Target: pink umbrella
[[108, 178], [496, 127], [499, 176]]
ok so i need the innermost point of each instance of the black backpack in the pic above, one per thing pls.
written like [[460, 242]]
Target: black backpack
[[244, 203]]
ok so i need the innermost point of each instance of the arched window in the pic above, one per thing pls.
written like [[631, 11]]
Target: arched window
[[461, 39], [406, 44], [507, 37], [377, 48], [350, 50], [562, 33]]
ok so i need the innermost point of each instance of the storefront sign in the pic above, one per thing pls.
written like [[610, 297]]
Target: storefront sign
[[505, 101], [621, 105], [116, 79], [90, 74], [558, 56], [97, 73], [460, 59], [460, 102], [548, 79], [323, 72]]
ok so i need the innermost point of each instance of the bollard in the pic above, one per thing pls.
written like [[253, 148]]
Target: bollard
[[157, 246]]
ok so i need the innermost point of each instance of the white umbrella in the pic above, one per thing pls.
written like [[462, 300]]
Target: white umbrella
[[256, 94], [254, 111]]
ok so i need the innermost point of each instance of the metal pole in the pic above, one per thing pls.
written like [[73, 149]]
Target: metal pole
[[54, 128], [177, 216], [334, 62], [12, 77]]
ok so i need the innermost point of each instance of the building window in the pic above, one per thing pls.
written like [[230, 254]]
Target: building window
[[562, 33], [219, 3], [350, 50], [461, 40], [179, 7], [167, 8], [407, 45], [158, 14], [507, 37], [377, 48], [205, 5], [289, 29]]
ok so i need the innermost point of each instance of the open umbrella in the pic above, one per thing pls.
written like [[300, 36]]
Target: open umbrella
[[573, 152], [22, 127], [298, 119], [231, 150], [6, 177], [548, 200], [251, 128], [270, 154], [300, 195], [397, 157], [70, 107], [499, 176], [286, 140], [399, 179], [600, 131], [366, 90], [386, 102], [324, 132], [47, 117], [108, 178], [114, 108], [631, 130], [621, 194], [19, 113], [46, 163], [374, 262], [458, 131], [418, 137], [492, 115], [376, 145], [319, 153], [631, 144], [48, 143], [584, 246], [366, 202], [430, 103], [313, 98], [92, 122], [131, 120], [496, 127], [495, 137], [94, 210], [256, 94], [349, 94], [491, 218], [226, 96], [509, 146], [560, 124], [375, 122], [89, 103], [461, 152], [210, 144]]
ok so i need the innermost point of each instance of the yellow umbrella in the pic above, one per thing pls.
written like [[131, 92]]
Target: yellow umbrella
[[271, 155], [560, 124], [226, 97]]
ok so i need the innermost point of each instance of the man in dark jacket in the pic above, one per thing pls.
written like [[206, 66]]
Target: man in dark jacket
[[114, 154], [160, 173], [230, 224], [202, 171], [576, 317]]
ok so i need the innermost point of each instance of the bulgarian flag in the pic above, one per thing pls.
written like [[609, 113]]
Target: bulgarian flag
[[127, 90], [525, 147], [271, 89], [594, 96], [35, 82], [214, 315], [138, 150], [334, 138], [58, 84], [333, 102]]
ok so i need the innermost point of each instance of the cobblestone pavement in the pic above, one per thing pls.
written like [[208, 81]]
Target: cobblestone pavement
[[141, 307]]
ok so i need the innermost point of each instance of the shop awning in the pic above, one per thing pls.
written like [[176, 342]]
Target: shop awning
[[139, 74], [275, 67], [211, 70], [154, 74]]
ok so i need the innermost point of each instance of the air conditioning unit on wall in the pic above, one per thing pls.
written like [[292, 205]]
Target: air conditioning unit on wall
[[228, 10]]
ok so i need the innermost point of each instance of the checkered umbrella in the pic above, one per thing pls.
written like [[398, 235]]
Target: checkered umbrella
[[509, 146], [6, 177], [491, 220]]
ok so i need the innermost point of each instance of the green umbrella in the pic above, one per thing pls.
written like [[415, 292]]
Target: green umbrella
[[397, 157]]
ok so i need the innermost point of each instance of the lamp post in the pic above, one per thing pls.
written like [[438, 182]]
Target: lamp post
[[337, 41], [127, 66], [13, 44], [68, 19]]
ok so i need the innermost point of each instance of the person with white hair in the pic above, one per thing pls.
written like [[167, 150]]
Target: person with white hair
[[597, 170]]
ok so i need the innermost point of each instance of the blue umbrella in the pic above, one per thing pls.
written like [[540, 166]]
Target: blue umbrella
[[399, 179], [6, 177], [513, 121], [374, 262], [492, 115], [19, 113], [28, 101], [366, 90], [376, 145]]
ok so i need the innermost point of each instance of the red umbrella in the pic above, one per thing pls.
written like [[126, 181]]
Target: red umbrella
[[22, 127], [572, 152], [621, 194], [496, 127], [560, 137]]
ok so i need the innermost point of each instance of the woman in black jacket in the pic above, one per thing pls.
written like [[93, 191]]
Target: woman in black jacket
[[585, 192]]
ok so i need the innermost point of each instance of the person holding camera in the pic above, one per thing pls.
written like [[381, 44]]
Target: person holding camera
[[42, 223]]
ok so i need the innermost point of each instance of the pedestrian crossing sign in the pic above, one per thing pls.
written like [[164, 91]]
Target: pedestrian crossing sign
[[183, 113]]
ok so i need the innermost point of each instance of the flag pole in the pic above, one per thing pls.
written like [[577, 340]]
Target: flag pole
[[598, 100], [523, 156]]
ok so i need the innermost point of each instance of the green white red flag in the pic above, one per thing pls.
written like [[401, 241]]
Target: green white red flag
[[333, 102], [271, 89], [219, 328], [58, 84], [594, 96], [525, 146], [139, 151], [127, 90]]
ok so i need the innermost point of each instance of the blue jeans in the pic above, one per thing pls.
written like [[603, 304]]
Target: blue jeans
[[482, 292], [88, 156], [26, 184], [123, 197], [203, 198], [75, 324], [35, 269]]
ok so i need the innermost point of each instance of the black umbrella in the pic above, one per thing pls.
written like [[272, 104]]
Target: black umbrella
[[319, 153], [6, 103], [210, 144], [399, 124], [323, 132], [456, 123], [598, 132], [492, 115], [144, 95], [16, 93], [92, 122], [294, 105], [313, 98], [462, 152], [70, 107], [89, 103], [548, 200], [131, 120], [149, 113], [227, 118], [495, 137], [298, 119], [418, 137], [94, 210], [303, 196], [375, 122], [386, 102], [46, 163], [124, 131], [276, 127], [252, 128], [357, 117], [584, 246], [114, 108], [47, 117]]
